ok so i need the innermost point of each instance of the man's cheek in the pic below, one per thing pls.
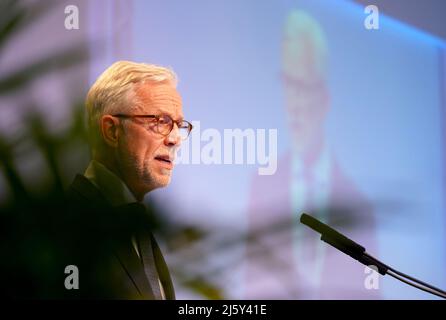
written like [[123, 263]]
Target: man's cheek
[[147, 164]]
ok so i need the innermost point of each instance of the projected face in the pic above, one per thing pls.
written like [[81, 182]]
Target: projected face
[[303, 75], [147, 156], [307, 103]]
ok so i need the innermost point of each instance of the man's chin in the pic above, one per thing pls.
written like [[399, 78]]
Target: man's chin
[[155, 182], [162, 181]]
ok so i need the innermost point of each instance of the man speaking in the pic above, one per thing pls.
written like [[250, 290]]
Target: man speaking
[[136, 125]]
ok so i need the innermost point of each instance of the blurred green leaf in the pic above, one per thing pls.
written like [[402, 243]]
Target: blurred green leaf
[[15, 16], [56, 62]]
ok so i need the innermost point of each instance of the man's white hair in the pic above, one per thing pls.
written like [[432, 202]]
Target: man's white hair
[[305, 43], [114, 90]]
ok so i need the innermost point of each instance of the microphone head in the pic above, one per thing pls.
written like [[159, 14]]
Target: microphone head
[[304, 218], [333, 237], [311, 222]]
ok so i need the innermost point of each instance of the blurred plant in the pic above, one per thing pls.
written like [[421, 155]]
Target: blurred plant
[[26, 217]]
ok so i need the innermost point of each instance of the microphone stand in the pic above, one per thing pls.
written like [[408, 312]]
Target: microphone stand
[[358, 252]]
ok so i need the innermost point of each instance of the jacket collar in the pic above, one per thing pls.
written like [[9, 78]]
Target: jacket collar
[[112, 187]]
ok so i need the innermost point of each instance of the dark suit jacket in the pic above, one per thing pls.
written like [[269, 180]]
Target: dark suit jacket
[[98, 241]]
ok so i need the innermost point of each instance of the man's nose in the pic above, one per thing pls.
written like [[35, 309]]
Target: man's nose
[[174, 137]]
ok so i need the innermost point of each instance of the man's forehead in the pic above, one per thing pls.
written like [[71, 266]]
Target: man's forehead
[[159, 97]]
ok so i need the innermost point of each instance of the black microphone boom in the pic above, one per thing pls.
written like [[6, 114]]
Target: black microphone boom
[[333, 237], [358, 252]]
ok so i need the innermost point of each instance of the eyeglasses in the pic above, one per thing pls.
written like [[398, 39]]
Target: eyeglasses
[[163, 123]]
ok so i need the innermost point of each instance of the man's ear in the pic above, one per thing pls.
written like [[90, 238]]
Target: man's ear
[[109, 129]]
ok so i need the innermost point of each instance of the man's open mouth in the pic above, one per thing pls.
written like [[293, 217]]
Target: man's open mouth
[[163, 158]]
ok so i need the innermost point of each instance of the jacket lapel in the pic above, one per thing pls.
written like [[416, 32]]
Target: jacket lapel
[[134, 268], [163, 271], [84, 190]]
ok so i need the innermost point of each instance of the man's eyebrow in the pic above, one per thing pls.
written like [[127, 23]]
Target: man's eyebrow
[[165, 112], [181, 118]]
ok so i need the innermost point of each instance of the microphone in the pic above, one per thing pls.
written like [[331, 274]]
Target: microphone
[[333, 237], [358, 252], [342, 243]]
